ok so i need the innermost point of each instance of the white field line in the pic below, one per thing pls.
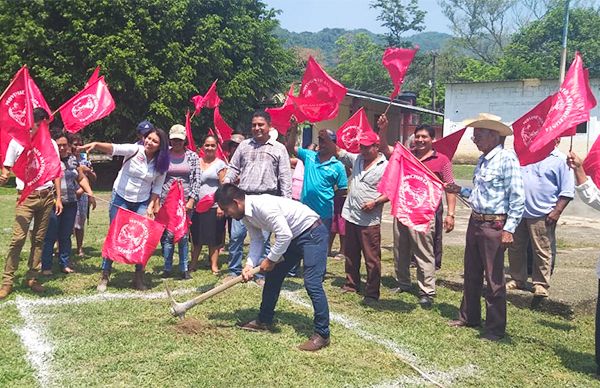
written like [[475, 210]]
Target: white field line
[[430, 374], [38, 346]]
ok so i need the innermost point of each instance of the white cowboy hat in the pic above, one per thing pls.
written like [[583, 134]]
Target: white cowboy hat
[[489, 121]]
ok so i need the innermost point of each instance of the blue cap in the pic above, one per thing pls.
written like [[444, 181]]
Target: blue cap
[[144, 127]]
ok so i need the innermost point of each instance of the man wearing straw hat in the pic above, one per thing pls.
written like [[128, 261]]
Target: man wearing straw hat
[[497, 201]]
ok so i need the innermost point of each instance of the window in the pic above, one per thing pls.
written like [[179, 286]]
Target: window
[[582, 128]]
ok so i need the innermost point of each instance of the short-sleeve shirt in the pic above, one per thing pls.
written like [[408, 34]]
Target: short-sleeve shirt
[[321, 180], [546, 181], [138, 178], [13, 152], [440, 165], [209, 181], [69, 183]]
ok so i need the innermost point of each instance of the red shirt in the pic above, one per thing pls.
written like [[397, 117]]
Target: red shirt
[[441, 166]]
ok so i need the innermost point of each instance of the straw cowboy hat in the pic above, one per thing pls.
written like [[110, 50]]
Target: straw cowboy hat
[[489, 121]]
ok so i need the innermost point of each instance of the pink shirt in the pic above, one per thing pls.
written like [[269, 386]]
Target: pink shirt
[[297, 180]]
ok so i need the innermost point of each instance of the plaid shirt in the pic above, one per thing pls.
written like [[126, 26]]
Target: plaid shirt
[[498, 187], [261, 168]]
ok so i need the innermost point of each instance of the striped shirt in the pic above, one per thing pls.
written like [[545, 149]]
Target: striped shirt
[[69, 183], [191, 183], [261, 168], [498, 187]]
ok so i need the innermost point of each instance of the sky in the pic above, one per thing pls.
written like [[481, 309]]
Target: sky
[[314, 15]]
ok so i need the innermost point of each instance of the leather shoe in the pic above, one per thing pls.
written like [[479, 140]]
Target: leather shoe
[[186, 275], [166, 274], [491, 337], [460, 323], [34, 285], [5, 291], [315, 343], [256, 326], [425, 301]]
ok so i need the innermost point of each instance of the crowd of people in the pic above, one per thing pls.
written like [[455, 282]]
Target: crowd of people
[[304, 201]]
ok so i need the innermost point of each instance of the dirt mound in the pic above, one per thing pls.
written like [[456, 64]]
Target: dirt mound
[[191, 326]]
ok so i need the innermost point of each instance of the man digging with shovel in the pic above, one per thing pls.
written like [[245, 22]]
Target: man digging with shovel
[[299, 233]]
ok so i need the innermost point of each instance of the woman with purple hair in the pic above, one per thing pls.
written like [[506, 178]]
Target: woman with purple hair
[[138, 185]]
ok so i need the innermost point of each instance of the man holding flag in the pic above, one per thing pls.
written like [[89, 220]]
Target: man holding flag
[[36, 206], [497, 201]]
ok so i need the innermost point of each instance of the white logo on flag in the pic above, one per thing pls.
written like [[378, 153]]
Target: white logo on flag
[[132, 237], [85, 107], [16, 107]]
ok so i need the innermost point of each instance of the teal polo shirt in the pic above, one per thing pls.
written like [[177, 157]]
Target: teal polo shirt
[[321, 180]]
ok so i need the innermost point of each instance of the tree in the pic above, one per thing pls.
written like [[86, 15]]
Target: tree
[[360, 65], [399, 19], [534, 51], [481, 26], [155, 55]]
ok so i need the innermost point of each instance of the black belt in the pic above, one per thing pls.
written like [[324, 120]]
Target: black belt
[[316, 224], [271, 192]]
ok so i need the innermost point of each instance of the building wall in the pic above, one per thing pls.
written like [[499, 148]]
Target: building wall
[[401, 121], [509, 100]]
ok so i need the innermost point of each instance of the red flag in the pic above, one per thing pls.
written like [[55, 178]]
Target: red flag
[[397, 62], [173, 214], [38, 163], [131, 238], [91, 104], [591, 164], [223, 130], [220, 153], [348, 135], [320, 94], [570, 107], [94, 77], [526, 129], [447, 145], [210, 100], [188, 133], [280, 117], [414, 191], [205, 203], [16, 111]]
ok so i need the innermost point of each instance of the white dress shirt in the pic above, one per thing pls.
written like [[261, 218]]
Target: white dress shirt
[[13, 152], [284, 217], [138, 178]]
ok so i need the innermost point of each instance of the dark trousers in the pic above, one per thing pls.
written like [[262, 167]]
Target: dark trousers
[[60, 228], [312, 245], [437, 237], [484, 256], [365, 239]]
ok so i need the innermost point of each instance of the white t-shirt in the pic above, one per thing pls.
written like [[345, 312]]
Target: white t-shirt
[[13, 152], [138, 178]]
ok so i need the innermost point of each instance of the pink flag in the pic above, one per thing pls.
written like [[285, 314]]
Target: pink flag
[[38, 163], [397, 62], [570, 106], [220, 153], [210, 100], [94, 77], [591, 164], [91, 104], [447, 145], [223, 130], [349, 134], [131, 238], [320, 94], [173, 214], [527, 128], [414, 191], [280, 117], [205, 203], [188, 133]]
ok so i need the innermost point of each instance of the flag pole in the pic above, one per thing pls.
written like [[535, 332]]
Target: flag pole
[[563, 57], [388, 107]]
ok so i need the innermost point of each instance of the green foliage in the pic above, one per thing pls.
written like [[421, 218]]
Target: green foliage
[[155, 55], [534, 52], [360, 65], [399, 18]]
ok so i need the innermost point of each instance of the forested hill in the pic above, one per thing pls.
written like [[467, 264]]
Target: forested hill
[[324, 40]]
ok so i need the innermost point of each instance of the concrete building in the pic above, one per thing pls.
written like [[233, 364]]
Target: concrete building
[[509, 100]]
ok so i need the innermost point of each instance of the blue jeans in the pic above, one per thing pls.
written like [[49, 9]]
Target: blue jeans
[[312, 245], [59, 228], [236, 246], [294, 270], [117, 201], [168, 249]]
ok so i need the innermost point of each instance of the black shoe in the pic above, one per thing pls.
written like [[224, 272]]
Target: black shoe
[[186, 275], [166, 274], [426, 301], [369, 301]]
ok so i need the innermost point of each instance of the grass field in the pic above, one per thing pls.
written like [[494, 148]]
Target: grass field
[[73, 337]]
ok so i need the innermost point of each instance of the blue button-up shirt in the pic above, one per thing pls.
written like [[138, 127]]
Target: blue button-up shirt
[[498, 187], [546, 181]]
